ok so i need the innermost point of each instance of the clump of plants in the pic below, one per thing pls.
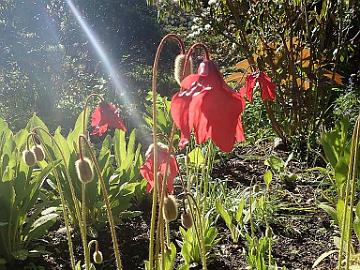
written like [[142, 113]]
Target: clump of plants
[[96, 186]]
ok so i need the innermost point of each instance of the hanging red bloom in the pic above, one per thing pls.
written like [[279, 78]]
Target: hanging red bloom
[[267, 86], [147, 169], [207, 105], [105, 116]]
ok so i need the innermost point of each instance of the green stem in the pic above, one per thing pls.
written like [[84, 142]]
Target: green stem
[[352, 173], [85, 111], [72, 189], [84, 226], [269, 251], [198, 231], [349, 196], [154, 131], [107, 204], [64, 205], [68, 177], [250, 210], [160, 225]]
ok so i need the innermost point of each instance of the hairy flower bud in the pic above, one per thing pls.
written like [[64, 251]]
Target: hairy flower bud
[[84, 170], [29, 158], [98, 257], [186, 220], [39, 152], [170, 210], [179, 68]]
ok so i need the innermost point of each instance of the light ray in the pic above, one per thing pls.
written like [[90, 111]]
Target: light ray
[[108, 65]]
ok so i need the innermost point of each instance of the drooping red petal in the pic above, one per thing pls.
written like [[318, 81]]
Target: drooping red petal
[[104, 116], [248, 88], [267, 87], [96, 116], [207, 105], [180, 104], [100, 130], [180, 115], [111, 116], [172, 173], [147, 172], [239, 135], [219, 124], [164, 157]]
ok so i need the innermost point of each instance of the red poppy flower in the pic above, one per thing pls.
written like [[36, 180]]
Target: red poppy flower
[[210, 107], [147, 169], [105, 116], [267, 86]]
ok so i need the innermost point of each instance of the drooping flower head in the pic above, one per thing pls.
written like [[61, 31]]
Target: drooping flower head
[[164, 157], [105, 116], [266, 85], [207, 105]]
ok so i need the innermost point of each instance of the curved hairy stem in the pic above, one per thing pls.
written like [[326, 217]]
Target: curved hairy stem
[[72, 189], [160, 223], [154, 131], [82, 226], [106, 201], [85, 109], [198, 229], [63, 202]]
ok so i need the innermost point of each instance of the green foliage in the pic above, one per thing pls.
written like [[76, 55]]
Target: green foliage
[[236, 230], [347, 106], [20, 189], [279, 168], [344, 161], [336, 147], [164, 120], [256, 252], [170, 257], [190, 246], [119, 160]]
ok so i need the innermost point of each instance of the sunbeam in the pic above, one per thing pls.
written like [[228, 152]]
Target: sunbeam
[[108, 65]]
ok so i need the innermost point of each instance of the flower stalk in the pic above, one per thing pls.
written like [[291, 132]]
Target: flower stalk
[[154, 131], [68, 177], [347, 221], [62, 199], [198, 223], [106, 201]]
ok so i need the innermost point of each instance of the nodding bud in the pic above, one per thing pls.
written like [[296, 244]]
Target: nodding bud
[[170, 210], [39, 152], [186, 220], [29, 158], [84, 170], [98, 257], [179, 68], [256, 188]]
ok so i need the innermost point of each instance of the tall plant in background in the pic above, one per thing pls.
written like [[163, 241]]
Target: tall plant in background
[[347, 219], [302, 44]]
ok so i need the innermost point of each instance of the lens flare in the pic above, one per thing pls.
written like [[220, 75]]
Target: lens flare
[[108, 65]]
